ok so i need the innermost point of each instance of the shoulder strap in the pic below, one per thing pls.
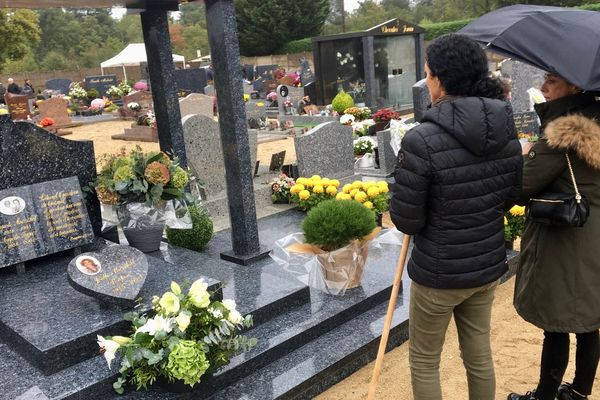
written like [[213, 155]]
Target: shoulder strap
[[577, 195]]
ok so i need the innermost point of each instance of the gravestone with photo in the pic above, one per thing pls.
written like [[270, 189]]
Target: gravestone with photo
[[18, 106], [101, 83], [114, 274], [282, 94], [40, 219], [197, 103], [62, 85], [326, 150], [191, 80], [57, 109]]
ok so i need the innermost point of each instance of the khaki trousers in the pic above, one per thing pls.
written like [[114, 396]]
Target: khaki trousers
[[430, 313]]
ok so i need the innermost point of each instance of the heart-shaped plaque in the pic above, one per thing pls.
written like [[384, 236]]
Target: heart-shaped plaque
[[115, 274]]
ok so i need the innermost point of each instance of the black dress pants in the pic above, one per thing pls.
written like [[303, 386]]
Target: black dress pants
[[555, 358]]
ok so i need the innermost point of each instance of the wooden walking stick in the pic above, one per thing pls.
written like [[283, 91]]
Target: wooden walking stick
[[388, 318]]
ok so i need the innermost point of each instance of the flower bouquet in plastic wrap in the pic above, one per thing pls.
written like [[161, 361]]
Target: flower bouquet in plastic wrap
[[331, 254]]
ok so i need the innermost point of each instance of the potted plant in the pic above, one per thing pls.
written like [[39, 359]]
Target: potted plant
[[338, 232], [383, 117], [309, 192], [140, 185], [280, 189], [362, 146], [341, 102], [372, 195], [200, 233], [186, 336], [514, 223]]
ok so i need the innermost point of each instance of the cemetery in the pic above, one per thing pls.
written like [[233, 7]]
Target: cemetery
[[188, 235]]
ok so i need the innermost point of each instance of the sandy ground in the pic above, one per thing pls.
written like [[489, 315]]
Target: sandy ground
[[100, 133], [516, 344]]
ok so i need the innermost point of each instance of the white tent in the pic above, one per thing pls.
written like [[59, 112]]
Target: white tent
[[132, 55]]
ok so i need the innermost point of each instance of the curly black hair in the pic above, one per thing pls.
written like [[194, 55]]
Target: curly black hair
[[462, 67]]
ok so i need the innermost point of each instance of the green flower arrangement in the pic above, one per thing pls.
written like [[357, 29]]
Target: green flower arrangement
[[141, 177], [197, 237], [77, 92], [188, 336]]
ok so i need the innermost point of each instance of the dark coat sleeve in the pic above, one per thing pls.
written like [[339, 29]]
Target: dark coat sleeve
[[408, 205], [541, 167]]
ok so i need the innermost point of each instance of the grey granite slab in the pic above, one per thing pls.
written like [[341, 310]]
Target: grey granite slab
[[54, 326], [29, 154]]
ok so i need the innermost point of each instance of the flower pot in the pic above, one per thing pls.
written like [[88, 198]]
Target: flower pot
[[145, 239], [343, 268], [380, 126], [142, 225]]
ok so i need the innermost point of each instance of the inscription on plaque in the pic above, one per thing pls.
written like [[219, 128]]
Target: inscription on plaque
[[42, 219], [527, 123], [101, 83], [115, 275]]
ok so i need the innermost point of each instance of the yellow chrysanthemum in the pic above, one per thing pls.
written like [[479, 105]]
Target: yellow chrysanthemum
[[517, 211], [309, 183], [505, 221], [304, 194], [334, 182], [331, 190], [383, 189], [343, 196], [316, 177], [353, 192], [357, 185], [325, 182], [382, 183], [347, 188], [373, 191], [368, 204], [369, 184], [318, 189], [361, 197], [297, 188], [301, 180]]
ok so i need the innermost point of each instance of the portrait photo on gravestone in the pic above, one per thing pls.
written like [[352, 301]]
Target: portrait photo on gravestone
[[88, 265]]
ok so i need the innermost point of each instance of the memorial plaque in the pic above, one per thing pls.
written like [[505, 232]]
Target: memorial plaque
[[277, 161], [57, 109], [18, 105], [114, 275], [101, 83], [527, 122], [306, 75], [42, 219]]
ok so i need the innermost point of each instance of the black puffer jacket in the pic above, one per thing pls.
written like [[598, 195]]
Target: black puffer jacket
[[455, 174]]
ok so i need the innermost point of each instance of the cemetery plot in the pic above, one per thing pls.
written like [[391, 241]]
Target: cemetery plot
[[42, 219]]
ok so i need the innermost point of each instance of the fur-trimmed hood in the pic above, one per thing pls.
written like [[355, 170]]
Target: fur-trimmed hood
[[577, 133]]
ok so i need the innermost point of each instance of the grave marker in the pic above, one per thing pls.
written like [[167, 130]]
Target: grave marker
[[527, 122], [306, 74], [55, 108], [62, 85], [101, 83], [197, 103], [41, 219], [192, 80], [421, 99], [18, 106], [277, 160], [114, 275]]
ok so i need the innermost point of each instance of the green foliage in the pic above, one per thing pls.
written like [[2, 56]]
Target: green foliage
[[264, 26], [590, 7], [433, 31], [19, 30], [342, 101], [333, 224], [197, 237], [296, 46], [54, 61], [92, 94]]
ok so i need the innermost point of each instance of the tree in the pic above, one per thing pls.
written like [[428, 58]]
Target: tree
[[193, 14], [265, 25], [19, 30]]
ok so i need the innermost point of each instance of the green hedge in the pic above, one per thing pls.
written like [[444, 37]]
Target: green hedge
[[296, 46], [441, 28], [590, 7]]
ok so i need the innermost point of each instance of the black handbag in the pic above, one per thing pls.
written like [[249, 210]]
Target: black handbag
[[560, 209]]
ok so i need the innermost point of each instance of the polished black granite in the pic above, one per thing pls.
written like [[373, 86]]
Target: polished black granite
[[55, 326]]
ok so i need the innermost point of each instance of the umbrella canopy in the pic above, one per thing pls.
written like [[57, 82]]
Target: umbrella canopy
[[565, 41]]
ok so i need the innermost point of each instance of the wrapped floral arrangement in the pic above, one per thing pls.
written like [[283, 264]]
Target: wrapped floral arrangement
[[372, 195], [364, 145], [140, 177], [280, 188], [514, 223], [122, 89], [309, 192], [188, 336]]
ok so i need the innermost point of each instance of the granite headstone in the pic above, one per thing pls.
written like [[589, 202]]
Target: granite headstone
[[258, 84], [326, 150], [143, 98], [18, 106], [421, 99], [527, 122], [522, 77], [101, 83], [277, 161], [205, 152], [35, 393], [29, 154], [192, 80], [56, 108], [265, 71], [115, 274], [197, 103], [41, 219], [62, 85], [387, 157], [306, 74]]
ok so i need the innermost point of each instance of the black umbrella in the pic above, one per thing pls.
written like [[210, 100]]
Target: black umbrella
[[565, 41]]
